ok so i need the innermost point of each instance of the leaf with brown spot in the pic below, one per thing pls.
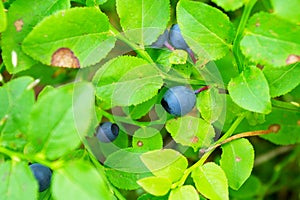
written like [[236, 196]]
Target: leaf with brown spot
[[270, 40], [64, 57], [23, 17], [237, 161], [84, 31], [191, 131]]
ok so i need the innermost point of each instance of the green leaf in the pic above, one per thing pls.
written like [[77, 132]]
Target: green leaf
[[158, 186], [232, 111], [77, 37], [250, 90], [186, 192], [48, 75], [125, 167], [237, 162], [126, 81], [226, 68], [230, 5], [3, 18], [249, 189], [16, 102], [163, 59], [165, 163], [140, 110], [84, 109], [211, 181], [127, 160], [212, 25], [287, 9], [79, 180], [17, 181], [191, 131], [125, 180], [211, 103], [282, 80], [23, 15], [268, 42], [178, 56], [55, 115], [142, 26], [255, 118], [182, 70], [147, 138]]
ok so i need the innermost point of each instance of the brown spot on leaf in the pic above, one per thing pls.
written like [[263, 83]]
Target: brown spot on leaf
[[238, 159], [274, 128], [260, 66], [195, 139], [64, 57], [139, 143], [257, 24], [298, 122], [292, 59], [19, 24]]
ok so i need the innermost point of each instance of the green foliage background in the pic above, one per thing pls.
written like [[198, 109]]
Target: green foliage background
[[248, 55]]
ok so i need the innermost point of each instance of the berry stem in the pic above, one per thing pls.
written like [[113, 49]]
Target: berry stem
[[202, 89], [192, 55], [169, 46]]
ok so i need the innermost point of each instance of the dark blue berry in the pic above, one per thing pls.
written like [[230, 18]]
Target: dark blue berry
[[163, 41], [160, 42], [42, 174], [176, 38], [177, 41], [107, 132], [179, 100]]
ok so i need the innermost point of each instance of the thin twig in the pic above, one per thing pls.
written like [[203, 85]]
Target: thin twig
[[241, 135]]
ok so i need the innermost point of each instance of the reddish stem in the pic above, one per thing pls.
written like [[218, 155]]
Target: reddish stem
[[241, 135], [192, 55], [169, 46], [202, 89]]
